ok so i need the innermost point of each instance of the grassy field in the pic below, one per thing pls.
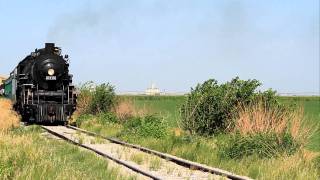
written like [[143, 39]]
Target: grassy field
[[311, 106], [301, 165], [25, 153], [167, 106]]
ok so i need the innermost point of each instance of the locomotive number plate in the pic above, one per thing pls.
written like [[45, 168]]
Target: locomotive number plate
[[50, 78]]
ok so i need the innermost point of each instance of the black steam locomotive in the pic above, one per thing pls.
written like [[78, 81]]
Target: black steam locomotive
[[41, 87]]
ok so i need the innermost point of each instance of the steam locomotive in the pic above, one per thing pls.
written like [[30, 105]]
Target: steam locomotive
[[41, 87]]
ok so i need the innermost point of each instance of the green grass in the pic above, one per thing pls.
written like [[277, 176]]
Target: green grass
[[167, 106], [155, 164], [311, 106], [137, 158], [26, 154]]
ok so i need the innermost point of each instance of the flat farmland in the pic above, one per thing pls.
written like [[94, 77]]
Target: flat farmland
[[167, 106], [311, 107]]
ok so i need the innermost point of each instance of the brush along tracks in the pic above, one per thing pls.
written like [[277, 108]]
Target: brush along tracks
[[149, 163]]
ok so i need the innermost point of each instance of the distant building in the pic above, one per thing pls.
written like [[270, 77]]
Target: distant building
[[153, 90]]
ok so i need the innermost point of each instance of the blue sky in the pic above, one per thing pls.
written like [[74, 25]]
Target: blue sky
[[175, 44]]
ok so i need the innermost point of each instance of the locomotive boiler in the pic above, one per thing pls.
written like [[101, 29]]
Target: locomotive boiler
[[41, 87]]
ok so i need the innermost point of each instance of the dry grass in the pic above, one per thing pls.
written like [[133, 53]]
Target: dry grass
[[8, 117], [299, 166], [177, 132], [83, 103], [259, 118], [125, 109]]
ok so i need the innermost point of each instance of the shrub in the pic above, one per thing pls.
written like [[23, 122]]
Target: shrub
[[108, 117], [209, 107], [94, 99], [262, 145], [148, 126], [103, 98]]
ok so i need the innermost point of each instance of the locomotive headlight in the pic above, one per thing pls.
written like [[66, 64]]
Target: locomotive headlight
[[51, 72]]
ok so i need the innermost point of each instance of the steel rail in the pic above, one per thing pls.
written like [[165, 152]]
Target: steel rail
[[177, 160], [107, 156]]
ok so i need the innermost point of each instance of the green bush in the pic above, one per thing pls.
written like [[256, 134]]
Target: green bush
[[262, 145], [148, 126], [103, 98], [95, 99], [209, 107], [108, 117]]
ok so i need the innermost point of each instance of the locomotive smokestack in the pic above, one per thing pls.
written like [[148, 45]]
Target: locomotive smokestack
[[49, 47]]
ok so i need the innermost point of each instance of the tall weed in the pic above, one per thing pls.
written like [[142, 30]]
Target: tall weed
[[125, 109], [8, 117], [266, 131], [262, 145], [260, 118]]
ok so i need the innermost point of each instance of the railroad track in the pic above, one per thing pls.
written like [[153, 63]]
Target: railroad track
[[158, 165]]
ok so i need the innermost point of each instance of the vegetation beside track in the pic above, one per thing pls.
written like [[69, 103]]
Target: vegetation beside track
[[26, 154], [268, 157], [311, 107], [303, 164]]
